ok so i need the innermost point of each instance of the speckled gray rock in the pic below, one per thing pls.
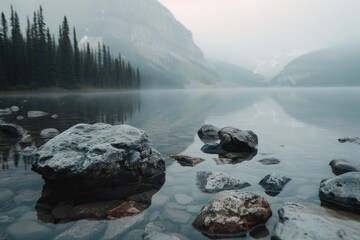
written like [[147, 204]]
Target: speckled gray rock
[[98, 155], [232, 213], [211, 182], [342, 191], [341, 166], [208, 133], [274, 183], [236, 140], [299, 222], [49, 133]]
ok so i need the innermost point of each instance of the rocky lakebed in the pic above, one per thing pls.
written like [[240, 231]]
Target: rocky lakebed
[[99, 171]]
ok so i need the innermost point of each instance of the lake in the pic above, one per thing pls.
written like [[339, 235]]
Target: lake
[[300, 127]]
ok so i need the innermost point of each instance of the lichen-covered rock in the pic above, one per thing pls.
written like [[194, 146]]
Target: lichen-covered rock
[[299, 222], [342, 191], [350, 140], [236, 140], [232, 213], [211, 182], [98, 155], [208, 133], [187, 161], [341, 166], [274, 183]]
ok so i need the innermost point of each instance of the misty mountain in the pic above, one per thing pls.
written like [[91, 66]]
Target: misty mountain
[[333, 66], [144, 32], [234, 75]]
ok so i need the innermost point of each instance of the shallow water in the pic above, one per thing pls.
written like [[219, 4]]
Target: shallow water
[[300, 127]]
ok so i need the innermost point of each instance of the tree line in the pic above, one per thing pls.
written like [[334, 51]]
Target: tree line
[[39, 60]]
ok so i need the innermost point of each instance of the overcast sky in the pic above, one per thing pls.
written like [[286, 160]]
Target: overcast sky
[[238, 31]]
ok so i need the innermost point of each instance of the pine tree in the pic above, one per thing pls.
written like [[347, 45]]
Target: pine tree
[[77, 65]]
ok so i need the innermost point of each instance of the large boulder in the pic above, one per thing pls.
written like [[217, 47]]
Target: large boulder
[[300, 222], [232, 213], [340, 166], [98, 155], [236, 140], [211, 182], [342, 191], [208, 133]]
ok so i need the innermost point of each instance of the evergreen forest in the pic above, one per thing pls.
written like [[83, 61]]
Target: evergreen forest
[[37, 59]]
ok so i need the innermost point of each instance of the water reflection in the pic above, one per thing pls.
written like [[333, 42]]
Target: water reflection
[[64, 204]]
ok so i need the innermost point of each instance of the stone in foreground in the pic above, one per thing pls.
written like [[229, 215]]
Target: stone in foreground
[[342, 191], [341, 166], [299, 222], [98, 155], [208, 133], [236, 140], [211, 182], [232, 213], [274, 183]]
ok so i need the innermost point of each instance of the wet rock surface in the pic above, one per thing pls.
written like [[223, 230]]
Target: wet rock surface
[[299, 222], [236, 140], [355, 140], [342, 191], [187, 161], [341, 166], [212, 182], [274, 183], [208, 133], [98, 155], [232, 213]]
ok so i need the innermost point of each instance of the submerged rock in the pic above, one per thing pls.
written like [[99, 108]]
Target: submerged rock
[[211, 182], [83, 229], [350, 140], [236, 140], [269, 161], [274, 183], [299, 222], [5, 112], [15, 108], [340, 166], [208, 133], [36, 114], [232, 213], [212, 148], [98, 155], [49, 133], [342, 191], [187, 161]]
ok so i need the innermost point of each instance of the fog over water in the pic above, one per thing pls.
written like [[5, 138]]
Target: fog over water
[[264, 35]]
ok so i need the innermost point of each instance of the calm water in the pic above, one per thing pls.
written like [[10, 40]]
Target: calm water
[[300, 127]]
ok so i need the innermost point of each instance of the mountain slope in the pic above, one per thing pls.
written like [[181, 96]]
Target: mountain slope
[[144, 31], [333, 66]]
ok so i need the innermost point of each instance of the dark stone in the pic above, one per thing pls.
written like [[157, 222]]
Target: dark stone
[[212, 148], [211, 182], [236, 140], [341, 166], [187, 161], [355, 140], [342, 191], [269, 161], [97, 156], [274, 183], [232, 213], [208, 133], [12, 130]]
